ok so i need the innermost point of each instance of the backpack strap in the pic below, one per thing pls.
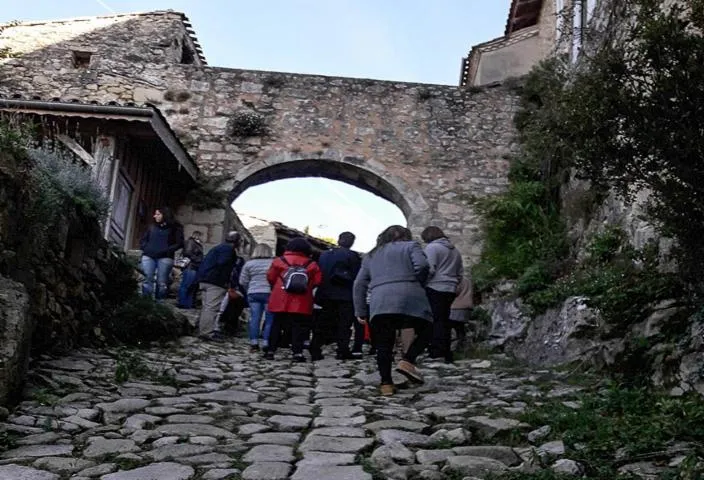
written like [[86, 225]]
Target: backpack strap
[[283, 259], [307, 264]]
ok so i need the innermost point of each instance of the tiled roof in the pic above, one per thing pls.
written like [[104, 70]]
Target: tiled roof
[[184, 19], [107, 111]]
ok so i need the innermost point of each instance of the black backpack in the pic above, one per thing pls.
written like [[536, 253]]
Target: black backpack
[[342, 274], [295, 278]]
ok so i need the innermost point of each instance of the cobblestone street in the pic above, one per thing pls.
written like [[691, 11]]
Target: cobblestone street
[[215, 411]]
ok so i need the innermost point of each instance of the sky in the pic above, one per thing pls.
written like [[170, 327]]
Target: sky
[[404, 40]]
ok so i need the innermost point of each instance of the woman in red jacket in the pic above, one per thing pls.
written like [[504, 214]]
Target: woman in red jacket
[[292, 276]]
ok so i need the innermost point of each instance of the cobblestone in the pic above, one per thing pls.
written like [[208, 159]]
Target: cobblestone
[[233, 415]]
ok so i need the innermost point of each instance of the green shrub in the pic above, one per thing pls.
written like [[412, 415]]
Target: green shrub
[[60, 185], [141, 320], [119, 269], [621, 282], [630, 421], [208, 193], [522, 227], [247, 123]]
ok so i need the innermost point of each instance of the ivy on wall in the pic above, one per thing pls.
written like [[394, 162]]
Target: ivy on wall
[[628, 117]]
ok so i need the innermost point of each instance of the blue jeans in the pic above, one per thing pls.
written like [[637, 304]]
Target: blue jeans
[[257, 307], [162, 267], [187, 291]]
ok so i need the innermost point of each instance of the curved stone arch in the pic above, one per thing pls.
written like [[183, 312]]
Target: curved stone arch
[[363, 173]]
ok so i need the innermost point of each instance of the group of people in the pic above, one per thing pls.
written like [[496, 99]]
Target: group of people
[[399, 290]]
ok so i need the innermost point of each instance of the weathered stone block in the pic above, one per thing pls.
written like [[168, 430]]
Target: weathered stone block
[[15, 337]]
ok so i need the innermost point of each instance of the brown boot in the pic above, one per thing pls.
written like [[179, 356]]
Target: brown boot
[[410, 371], [387, 389]]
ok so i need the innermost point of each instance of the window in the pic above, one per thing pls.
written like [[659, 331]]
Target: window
[[187, 54], [81, 59]]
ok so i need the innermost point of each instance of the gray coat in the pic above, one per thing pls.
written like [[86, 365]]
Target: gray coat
[[394, 276], [445, 265], [253, 276]]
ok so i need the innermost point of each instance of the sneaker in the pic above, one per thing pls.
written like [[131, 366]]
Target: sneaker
[[253, 348], [387, 389], [268, 355], [410, 371], [357, 355], [299, 358]]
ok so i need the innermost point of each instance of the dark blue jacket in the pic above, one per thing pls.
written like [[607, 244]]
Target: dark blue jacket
[[334, 262], [162, 241], [217, 265]]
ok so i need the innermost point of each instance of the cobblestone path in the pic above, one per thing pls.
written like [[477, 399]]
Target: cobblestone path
[[195, 410]]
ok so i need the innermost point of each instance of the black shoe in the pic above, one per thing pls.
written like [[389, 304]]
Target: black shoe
[[315, 358], [253, 348], [268, 355], [299, 358], [357, 355], [372, 351], [216, 337], [344, 356]]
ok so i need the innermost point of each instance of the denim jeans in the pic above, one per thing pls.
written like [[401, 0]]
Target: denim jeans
[[257, 307], [187, 291], [162, 267]]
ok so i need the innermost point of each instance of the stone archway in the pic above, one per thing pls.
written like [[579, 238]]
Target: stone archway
[[359, 172]]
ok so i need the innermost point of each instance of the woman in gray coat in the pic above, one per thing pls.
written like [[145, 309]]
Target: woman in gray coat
[[394, 273], [253, 281]]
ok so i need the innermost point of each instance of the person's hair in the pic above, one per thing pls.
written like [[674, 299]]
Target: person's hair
[[346, 239], [262, 250], [234, 238], [196, 232], [432, 233], [167, 214], [394, 233], [299, 245]]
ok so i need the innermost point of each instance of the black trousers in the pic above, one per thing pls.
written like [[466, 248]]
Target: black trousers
[[383, 330], [441, 304], [341, 314], [300, 326]]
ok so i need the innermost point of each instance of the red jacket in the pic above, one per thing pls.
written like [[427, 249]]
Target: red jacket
[[282, 301]]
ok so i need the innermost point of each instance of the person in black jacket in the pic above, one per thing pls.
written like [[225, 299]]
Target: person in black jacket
[[193, 251], [214, 278], [340, 267], [159, 245]]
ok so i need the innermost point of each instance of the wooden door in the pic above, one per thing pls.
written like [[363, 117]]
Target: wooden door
[[119, 220]]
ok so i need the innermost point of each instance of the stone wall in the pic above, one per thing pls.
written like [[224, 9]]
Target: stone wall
[[427, 148], [49, 292]]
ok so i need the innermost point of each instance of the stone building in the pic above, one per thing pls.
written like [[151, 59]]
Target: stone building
[[535, 29], [134, 155], [427, 148]]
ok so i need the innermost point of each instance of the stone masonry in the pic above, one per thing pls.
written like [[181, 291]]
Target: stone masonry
[[427, 148]]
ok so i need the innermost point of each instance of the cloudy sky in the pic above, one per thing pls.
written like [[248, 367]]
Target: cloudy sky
[[406, 40]]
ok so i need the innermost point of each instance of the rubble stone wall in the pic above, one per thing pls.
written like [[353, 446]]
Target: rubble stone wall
[[427, 148]]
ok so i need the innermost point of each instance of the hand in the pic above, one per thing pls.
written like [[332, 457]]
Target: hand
[[362, 320]]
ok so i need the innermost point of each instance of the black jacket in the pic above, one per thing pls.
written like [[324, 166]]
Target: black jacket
[[194, 252], [340, 267], [162, 241]]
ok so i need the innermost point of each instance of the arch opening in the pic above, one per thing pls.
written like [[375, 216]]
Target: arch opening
[[333, 186]]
